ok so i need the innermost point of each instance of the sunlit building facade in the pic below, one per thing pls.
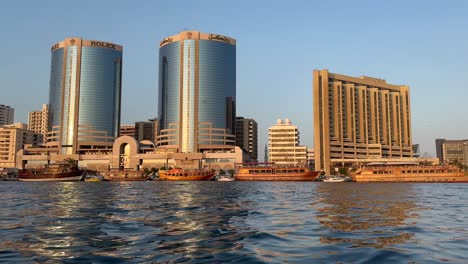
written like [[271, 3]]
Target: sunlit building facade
[[85, 95], [38, 121], [14, 137], [451, 151], [359, 118], [283, 144], [7, 114], [197, 92]]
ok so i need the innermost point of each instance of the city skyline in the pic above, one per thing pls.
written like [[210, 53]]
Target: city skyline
[[421, 45]]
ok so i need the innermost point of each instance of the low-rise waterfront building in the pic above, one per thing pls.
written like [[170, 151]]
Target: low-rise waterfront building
[[7, 115], [283, 144], [451, 151], [129, 154], [127, 130], [13, 138]]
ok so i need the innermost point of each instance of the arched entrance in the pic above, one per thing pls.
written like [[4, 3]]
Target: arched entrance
[[125, 154]]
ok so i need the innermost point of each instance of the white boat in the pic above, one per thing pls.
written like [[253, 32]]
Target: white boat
[[335, 179], [225, 178]]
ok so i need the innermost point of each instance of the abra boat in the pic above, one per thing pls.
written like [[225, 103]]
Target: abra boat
[[409, 173], [185, 175], [270, 172], [334, 179], [55, 172], [225, 178]]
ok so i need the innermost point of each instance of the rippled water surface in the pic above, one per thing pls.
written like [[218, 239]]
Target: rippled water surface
[[222, 222]]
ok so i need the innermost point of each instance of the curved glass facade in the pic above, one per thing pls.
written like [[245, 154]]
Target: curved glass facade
[[197, 90], [85, 91], [55, 92], [169, 83], [100, 89], [217, 75]]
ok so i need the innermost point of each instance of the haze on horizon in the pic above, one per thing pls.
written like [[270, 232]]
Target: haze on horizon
[[422, 44]]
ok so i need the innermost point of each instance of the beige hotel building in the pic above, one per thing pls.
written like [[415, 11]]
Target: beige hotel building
[[359, 119]]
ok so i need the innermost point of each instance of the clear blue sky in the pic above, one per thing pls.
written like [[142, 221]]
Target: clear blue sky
[[423, 44]]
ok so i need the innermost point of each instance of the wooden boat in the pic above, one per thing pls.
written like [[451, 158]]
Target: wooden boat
[[183, 175], [272, 172], [55, 172], [409, 173]]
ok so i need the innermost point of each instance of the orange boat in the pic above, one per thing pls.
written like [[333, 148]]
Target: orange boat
[[183, 175], [409, 173], [272, 172]]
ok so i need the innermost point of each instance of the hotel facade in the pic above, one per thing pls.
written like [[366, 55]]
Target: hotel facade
[[85, 95], [197, 92], [283, 144], [359, 119]]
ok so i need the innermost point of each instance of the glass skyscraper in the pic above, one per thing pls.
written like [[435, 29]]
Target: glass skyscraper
[[85, 95], [197, 92]]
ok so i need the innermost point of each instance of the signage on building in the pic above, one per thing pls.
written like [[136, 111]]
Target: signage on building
[[54, 47], [102, 44], [219, 38], [164, 41]]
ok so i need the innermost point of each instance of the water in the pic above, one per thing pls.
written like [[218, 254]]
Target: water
[[222, 222]]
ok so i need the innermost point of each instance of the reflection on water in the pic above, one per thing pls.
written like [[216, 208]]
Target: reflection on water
[[373, 212], [219, 222]]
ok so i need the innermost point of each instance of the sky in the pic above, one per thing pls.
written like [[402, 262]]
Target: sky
[[420, 43]]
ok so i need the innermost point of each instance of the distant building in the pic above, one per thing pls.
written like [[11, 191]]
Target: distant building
[[85, 95], [416, 151], [247, 136], [359, 118], [7, 115], [311, 157], [127, 130], [197, 92], [145, 130], [451, 151], [38, 121], [141, 130], [283, 144], [12, 139]]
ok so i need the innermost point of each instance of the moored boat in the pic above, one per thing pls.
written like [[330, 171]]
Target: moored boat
[[409, 173], [225, 178], [271, 172], [185, 175], [66, 171], [335, 179]]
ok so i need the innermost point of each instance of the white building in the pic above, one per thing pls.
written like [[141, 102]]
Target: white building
[[6, 115], [283, 144], [38, 121]]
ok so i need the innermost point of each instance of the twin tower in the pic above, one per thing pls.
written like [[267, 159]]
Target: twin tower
[[197, 94]]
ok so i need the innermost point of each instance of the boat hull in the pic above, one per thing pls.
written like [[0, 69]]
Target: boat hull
[[442, 174], [166, 177], [45, 178], [341, 180], [277, 177]]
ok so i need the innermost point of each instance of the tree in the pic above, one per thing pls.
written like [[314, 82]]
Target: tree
[[343, 171], [231, 172], [222, 172]]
